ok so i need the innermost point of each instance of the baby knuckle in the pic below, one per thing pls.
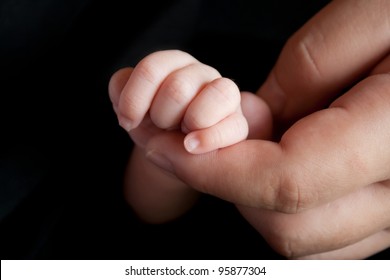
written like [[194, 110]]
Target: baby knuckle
[[128, 107], [193, 121], [216, 138], [147, 70], [226, 90], [211, 71], [179, 89]]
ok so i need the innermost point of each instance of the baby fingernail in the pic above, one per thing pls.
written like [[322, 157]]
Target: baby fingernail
[[125, 123], [191, 143]]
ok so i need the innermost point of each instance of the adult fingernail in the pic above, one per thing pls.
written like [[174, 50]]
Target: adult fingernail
[[160, 160], [191, 143], [125, 123]]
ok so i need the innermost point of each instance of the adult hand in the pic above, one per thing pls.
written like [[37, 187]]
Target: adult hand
[[323, 190]]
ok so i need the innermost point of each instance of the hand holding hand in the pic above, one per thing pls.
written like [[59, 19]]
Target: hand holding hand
[[323, 190], [170, 90]]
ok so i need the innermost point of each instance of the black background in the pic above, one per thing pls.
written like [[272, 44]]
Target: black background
[[62, 151]]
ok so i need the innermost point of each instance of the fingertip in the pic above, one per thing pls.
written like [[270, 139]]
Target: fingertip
[[272, 93], [200, 142], [115, 87], [191, 143], [258, 115], [116, 84], [229, 131], [126, 123], [118, 80]]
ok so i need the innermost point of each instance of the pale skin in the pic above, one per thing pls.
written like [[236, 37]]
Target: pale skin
[[323, 189], [172, 91]]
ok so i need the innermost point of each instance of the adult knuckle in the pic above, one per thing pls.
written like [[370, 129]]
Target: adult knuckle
[[305, 47], [288, 196], [294, 194], [286, 240]]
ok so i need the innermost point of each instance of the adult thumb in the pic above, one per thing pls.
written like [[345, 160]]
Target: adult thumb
[[330, 53], [247, 173]]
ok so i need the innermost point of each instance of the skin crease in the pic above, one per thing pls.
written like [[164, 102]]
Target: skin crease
[[200, 109], [146, 184], [322, 191]]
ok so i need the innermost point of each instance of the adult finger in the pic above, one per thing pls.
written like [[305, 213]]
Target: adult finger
[[328, 54], [329, 227], [178, 91], [382, 67], [258, 116], [361, 250], [364, 248], [232, 173], [322, 157], [148, 75]]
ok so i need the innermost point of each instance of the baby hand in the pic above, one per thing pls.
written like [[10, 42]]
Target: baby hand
[[170, 90]]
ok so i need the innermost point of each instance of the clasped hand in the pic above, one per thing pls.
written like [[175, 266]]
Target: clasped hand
[[321, 189]]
